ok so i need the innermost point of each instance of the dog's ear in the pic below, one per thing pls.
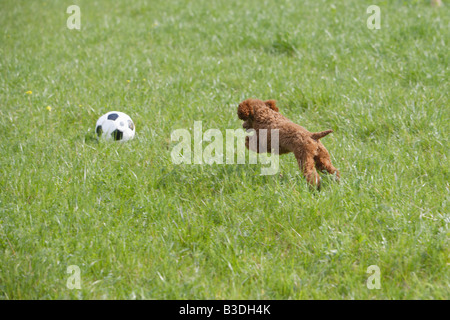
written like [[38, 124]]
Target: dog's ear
[[245, 111], [272, 105]]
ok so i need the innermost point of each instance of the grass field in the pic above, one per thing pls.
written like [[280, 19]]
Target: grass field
[[139, 226]]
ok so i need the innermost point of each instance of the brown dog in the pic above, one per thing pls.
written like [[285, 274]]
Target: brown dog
[[308, 150]]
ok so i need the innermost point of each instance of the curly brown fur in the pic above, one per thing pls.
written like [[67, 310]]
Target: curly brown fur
[[306, 146]]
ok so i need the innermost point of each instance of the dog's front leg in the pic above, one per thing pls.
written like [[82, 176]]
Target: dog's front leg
[[252, 142]]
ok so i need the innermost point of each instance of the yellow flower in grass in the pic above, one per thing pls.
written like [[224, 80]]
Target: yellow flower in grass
[[49, 108], [128, 81], [29, 92]]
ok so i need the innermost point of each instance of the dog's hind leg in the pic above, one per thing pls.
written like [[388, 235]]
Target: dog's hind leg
[[307, 166]]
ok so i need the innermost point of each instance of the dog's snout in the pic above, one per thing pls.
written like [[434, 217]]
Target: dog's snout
[[247, 125]]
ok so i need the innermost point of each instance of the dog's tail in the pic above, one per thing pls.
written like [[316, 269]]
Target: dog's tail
[[319, 135]]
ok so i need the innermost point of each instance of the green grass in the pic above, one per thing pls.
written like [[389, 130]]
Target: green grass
[[139, 226]]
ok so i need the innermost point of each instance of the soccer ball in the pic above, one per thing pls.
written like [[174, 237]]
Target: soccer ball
[[115, 125]]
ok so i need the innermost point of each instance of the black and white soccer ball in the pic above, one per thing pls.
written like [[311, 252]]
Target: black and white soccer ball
[[115, 125]]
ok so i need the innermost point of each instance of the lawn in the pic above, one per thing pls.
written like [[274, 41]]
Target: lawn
[[139, 226]]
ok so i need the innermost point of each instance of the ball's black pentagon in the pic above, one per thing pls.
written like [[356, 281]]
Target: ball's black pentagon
[[130, 124], [99, 130], [113, 116], [117, 134]]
